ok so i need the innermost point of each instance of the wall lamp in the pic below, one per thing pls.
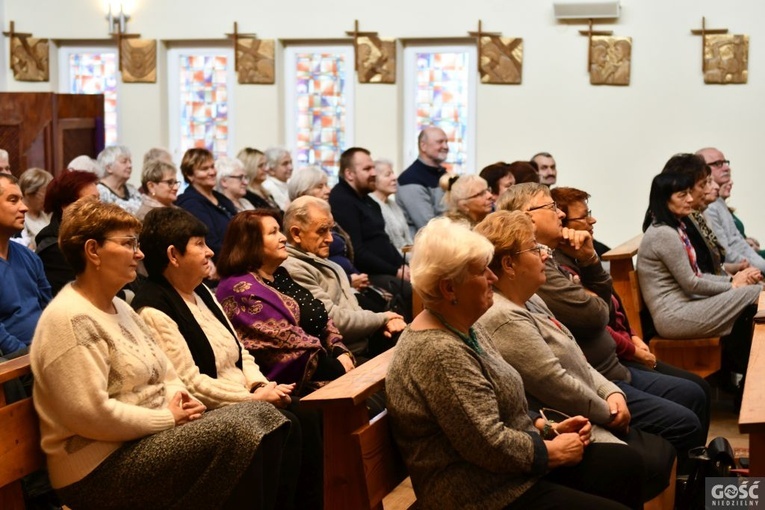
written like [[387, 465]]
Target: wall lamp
[[117, 17]]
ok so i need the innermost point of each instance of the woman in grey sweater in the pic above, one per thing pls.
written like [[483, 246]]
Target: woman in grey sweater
[[683, 301], [458, 410]]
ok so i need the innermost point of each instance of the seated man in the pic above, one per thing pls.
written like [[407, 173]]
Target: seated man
[[25, 289], [660, 404], [307, 224], [362, 220]]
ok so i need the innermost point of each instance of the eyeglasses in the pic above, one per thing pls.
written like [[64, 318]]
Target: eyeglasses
[[242, 178], [171, 182], [539, 248], [126, 241], [481, 193], [588, 215], [553, 206], [719, 163]]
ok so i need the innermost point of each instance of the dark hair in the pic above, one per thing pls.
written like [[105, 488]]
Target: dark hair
[[192, 159], [65, 189], [523, 171], [346, 159], [89, 218], [662, 188], [164, 227], [691, 164], [566, 196], [495, 173], [242, 249]]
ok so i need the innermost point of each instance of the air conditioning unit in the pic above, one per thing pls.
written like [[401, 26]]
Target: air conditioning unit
[[586, 10]]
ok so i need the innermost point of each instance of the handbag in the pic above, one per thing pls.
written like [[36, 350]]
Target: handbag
[[714, 460]]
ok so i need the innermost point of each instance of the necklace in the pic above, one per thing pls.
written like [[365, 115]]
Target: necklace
[[469, 339]]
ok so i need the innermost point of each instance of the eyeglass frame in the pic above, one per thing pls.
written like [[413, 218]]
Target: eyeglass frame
[[135, 245], [719, 163], [242, 178], [170, 182], [539, 247], [480, 193], [554, 207], [589, 215]]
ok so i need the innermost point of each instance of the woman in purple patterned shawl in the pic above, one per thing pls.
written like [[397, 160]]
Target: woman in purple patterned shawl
[[284, 327]]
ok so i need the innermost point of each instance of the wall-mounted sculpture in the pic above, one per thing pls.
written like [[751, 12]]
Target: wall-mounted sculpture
[[28, 56], [375, 60], [610, 60], [724, 57], [139, 60], [501, 59]]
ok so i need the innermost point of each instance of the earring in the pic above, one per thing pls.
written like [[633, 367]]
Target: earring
[[153, 194], [454, 301]]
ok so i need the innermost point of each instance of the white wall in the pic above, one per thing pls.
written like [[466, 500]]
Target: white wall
[[607, 140]]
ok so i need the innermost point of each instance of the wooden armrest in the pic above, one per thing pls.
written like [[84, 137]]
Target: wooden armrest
[[625, 250], [14, 368], [355, 386], [752, 416]]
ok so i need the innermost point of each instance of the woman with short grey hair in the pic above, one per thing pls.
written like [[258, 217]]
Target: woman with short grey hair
[[33, 184], [160, 184], [116, 165], [231, 180], [469, 199], [309, 180], [395, 222], [279, 168]]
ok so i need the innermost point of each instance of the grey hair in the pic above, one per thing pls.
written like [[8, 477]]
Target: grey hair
[[154, 170], [304, 180], [33, 179], [157, 153], [545, 154], [84, 163], [519, 196], [4, 154], [299, 211], [445, 250], [462, 189], [383, 161], [273, 155], [109, 155], [225, 167]]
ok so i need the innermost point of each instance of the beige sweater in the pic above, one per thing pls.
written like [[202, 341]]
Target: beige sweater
[[99, 380]]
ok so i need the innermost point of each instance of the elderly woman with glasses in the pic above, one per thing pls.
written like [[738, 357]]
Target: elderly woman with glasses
[[118, 426], [554, 369], [468, 198], [117, 165], [458, 410], [232, 182], [159, 181]]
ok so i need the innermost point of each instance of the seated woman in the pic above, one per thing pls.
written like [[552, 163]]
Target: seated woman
[[255, 169], [116, 166], [200, 198], [33, 183], [386, 185], [524, 171], [683, 301], [499, 178], [469, 199], [118, 427], [284, 327], [232, 182], [159, 183], [195, 334], [62, 191], [554, 369], [458, 410]]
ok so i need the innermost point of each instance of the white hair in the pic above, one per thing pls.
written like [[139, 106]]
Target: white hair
[[84, 164], [109, 156], [226, 167]]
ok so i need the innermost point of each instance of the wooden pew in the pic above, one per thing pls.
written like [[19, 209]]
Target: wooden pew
[[751, 419], [702, 356], [20, 452], [361, 462]]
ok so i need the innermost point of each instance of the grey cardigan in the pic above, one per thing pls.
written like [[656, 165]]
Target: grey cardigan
[[460, 419], [682, 304], [328, 283]]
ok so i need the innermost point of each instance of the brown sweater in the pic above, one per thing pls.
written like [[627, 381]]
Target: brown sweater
[[460, 419]]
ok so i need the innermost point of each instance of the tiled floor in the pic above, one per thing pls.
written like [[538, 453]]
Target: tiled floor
[[725, 422]]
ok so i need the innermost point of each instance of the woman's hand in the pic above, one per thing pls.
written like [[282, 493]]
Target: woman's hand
[[577, 244], [359, 281], [276, 394], [565, 450], [577, 424], [642, 353], [394, 325], [185, 408], [620, 415], [748, 276], [346, 361]]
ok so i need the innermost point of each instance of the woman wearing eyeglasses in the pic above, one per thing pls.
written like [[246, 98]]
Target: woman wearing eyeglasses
[[458, 410], [232, 182], [117, 425], [468, 198], [553, 367], [159, 182]]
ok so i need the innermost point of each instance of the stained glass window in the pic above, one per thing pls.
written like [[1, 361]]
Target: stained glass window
[[204, 102], [96, 73], [319, 98], [441, 85]]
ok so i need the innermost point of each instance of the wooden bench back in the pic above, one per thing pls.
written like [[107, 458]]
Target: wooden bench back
[[20, 452], [625, 281], [361, 461]]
